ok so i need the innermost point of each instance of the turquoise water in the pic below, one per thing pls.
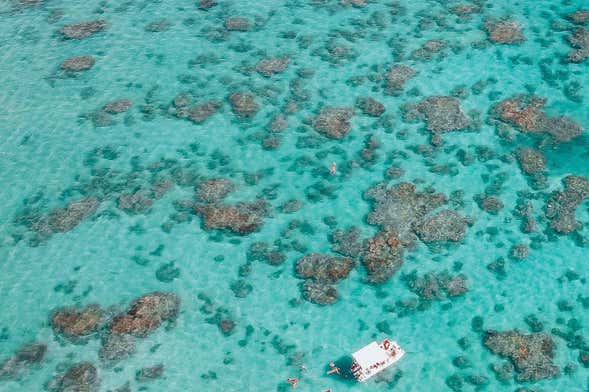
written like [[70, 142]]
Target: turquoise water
[[57, 145]]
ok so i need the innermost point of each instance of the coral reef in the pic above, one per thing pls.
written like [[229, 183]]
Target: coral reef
[[146, 314], [333, 122], [244, 104], [242, 218], [83, 30], [321, 272], [532, 355], [579, 41], [76, 322], [78, 64], [525, 113], [25, 357], [506, 31], [81, 376], [396, 77], [272, 65], [560, 207], [441, 114]]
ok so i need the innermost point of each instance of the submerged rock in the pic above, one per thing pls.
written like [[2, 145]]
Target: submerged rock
[[333, 122], [76, 322], [80, 377], [272, 65], [506, 31], [532, 355], [78, 63], [244, 104], [561, 206], [83, 30], [242, 218], [147, 313], [28, 355]]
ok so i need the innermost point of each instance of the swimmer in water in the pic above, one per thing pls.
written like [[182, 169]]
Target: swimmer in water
[[333, 168], [294, 382], [334, 369]]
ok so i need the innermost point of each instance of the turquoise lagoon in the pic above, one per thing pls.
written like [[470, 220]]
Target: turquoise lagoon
[[55, 140]]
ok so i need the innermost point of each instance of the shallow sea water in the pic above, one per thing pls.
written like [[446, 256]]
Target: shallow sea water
[[48, 145]]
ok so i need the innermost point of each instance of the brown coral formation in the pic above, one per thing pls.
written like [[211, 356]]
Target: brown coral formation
[[561, 206], [525, 113], [321, 273], [506, 31], [146, 314], [441, 114], [532, 355], [78, 63], [272, 65], [244, 104], [579, 41], [334, 122], [76, 322], [396, 77], [83, 30], [242, 218]]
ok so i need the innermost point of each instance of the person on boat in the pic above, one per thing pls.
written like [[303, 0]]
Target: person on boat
[[293, 381], [333, 369], [333, 168]]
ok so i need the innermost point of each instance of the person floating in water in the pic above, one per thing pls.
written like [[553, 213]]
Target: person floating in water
[[333, 369], [293, 381]]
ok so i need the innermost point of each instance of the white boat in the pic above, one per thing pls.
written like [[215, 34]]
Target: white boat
[[374, 358]]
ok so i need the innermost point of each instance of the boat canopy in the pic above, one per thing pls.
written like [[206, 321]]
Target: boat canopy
[[370, 355]]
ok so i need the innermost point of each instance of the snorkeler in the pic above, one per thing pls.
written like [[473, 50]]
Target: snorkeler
[[333, 168], [334, 369], [293, 381]]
